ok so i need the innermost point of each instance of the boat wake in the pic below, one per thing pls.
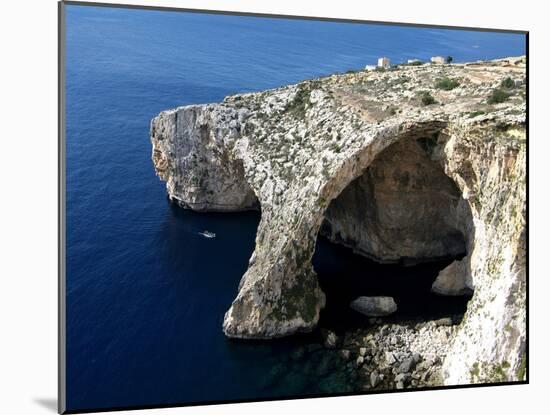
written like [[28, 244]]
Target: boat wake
[[207, 234]]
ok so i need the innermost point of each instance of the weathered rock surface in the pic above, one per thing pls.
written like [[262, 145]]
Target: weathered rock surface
[[293, 150], [413, 361], [199, 171], [374, 306], [403, 207], [331, 340], [454, 279]]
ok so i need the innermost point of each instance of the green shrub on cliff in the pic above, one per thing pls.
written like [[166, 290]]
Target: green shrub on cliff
[[508, 83], [446, 83], [297, 106], [473, 114], [426, 98], [497, 96]]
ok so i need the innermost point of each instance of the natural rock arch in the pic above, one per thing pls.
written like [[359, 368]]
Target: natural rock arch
[[294, 149], [279, 294], [281, 297]]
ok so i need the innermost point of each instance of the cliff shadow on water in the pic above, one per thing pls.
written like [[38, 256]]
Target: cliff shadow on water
[[345, 276]]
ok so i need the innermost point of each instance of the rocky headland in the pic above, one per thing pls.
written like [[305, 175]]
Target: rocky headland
[[410, 164]]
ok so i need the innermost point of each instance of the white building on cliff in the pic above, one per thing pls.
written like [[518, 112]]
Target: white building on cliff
[[440, 60], [384, 62]]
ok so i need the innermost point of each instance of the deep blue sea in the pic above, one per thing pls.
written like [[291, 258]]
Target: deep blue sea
[[146, 294]]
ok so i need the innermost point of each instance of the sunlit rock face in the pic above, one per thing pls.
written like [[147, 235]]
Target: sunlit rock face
[[197, 168], [366, 142], [454, 279]]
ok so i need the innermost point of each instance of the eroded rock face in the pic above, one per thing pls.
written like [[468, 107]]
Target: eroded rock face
[[191, 155], [403, 207], [490, 343], [454, 279], [295, 149]]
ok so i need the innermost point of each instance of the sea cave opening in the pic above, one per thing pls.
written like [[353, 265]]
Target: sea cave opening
[[391, 232]]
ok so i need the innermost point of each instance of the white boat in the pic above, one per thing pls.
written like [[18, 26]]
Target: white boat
[[207, 234]]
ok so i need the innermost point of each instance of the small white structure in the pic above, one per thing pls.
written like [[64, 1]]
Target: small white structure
[[370, 67], [414, 61], [384, 62], [439, 60]]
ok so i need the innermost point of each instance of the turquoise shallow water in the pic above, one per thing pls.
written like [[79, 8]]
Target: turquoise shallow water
[[145, 294]]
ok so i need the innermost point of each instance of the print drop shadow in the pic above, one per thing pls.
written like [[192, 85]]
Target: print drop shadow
[[48, 403]]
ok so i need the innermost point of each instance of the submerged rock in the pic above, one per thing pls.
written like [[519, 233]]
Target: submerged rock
[[345, 354], [374, 306], [298, 354], [331, 340], [325, 365]]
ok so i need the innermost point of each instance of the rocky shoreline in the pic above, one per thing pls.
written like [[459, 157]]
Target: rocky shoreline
[[395, 356], [385, 356]]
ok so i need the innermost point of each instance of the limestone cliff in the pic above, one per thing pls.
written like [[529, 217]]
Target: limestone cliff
[[393, 163]]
